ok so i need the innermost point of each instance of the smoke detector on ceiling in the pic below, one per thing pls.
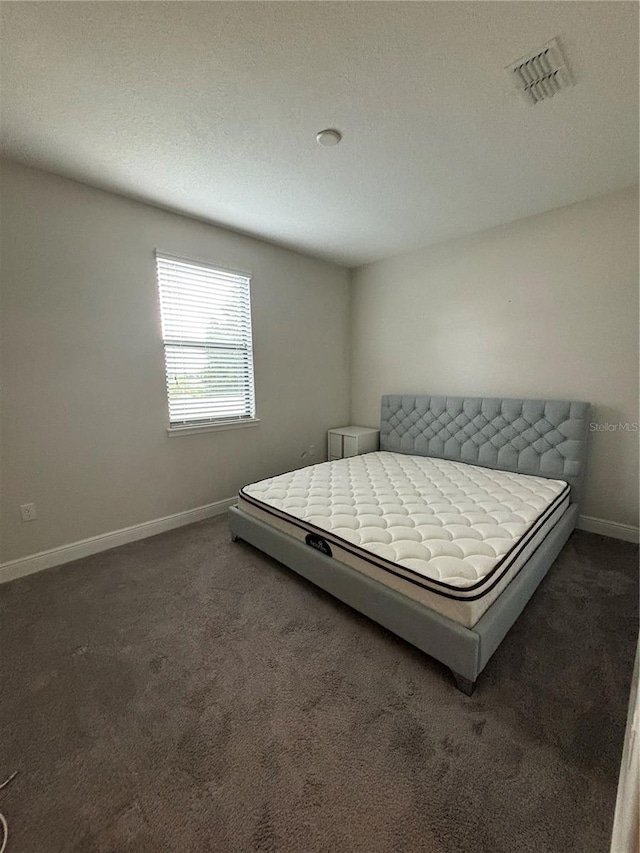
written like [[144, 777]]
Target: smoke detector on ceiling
[[541, 73], [329, 137]]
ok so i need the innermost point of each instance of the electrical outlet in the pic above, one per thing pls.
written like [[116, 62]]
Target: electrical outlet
[[312, 450], [28, 512]]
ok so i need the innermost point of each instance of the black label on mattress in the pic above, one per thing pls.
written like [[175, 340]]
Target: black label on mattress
[[318, 543]]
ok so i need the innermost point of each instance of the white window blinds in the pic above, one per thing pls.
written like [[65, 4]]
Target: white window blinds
[[208, 350]]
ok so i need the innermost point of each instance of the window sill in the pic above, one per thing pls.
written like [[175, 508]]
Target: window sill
[[217, 427]]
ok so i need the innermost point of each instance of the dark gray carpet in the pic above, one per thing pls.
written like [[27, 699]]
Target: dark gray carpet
[[187, 694]]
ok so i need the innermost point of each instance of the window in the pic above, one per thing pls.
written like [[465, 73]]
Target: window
[[208, 350]]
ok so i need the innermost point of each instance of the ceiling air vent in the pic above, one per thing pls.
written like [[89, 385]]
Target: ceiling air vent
[[542, 73]]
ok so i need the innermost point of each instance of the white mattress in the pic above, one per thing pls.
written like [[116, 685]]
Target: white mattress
[[447, 534]]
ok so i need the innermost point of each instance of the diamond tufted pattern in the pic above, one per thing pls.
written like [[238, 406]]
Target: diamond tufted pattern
[[438, 519], [546, 438]]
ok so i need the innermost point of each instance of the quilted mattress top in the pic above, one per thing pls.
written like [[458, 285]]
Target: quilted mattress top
[[445, 521]]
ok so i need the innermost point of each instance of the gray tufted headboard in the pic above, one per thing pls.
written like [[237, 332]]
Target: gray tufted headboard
[[547, 438]]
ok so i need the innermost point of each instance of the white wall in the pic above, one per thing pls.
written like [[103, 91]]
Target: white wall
[[543, 307], [84, 410]]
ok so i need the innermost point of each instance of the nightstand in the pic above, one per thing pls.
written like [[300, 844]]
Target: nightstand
[[351, 441]]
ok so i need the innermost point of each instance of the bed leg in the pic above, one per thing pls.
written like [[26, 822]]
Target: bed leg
[[234, 537], [466, 685]]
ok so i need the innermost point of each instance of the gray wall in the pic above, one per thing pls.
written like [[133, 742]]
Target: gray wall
[[546, 307], [84, 410], [543, 307]]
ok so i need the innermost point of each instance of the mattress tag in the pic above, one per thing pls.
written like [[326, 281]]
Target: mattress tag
[[318, 543]]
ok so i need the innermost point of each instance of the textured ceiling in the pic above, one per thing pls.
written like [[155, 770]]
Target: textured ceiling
[[212, 109]]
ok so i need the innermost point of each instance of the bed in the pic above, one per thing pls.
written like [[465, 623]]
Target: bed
[[444, 534]]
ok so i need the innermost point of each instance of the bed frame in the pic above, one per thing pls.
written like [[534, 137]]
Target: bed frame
[[546, 438]]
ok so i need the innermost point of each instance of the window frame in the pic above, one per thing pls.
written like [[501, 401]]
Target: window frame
[[217, 424]]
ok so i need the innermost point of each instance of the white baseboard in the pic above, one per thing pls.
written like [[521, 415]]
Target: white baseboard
[[609, 528], [65, 553]]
